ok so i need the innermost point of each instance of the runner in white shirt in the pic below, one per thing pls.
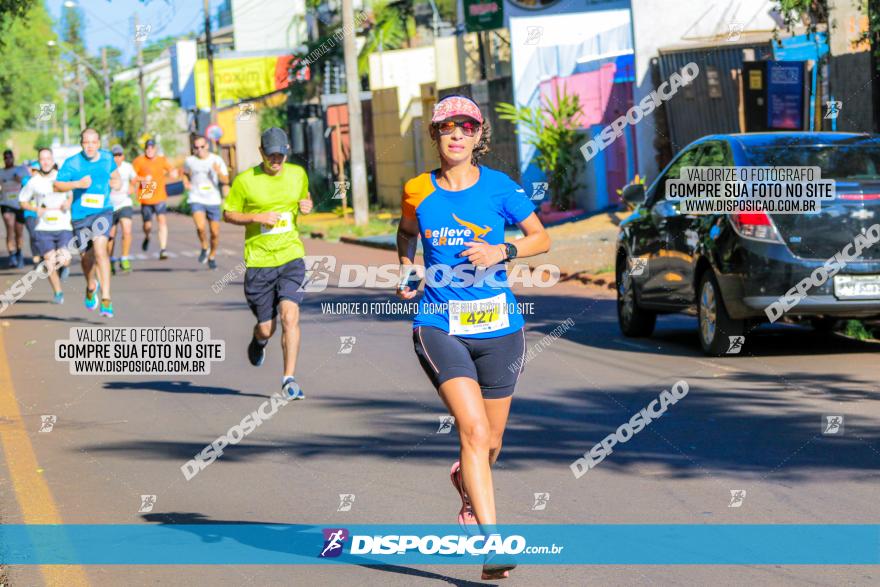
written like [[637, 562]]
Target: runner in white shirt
[[122, 209], [53, 231], [13, 216], [204, 172]]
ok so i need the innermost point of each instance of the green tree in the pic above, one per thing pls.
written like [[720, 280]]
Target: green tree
[[552, 130], [392, 27], [153, 49], [273, 116], [11, 9], [28, 70], [125, 113]]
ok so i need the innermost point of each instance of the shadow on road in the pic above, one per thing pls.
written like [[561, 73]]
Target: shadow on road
[[177, 387], [73, 320], [710, 431], [289, 539]]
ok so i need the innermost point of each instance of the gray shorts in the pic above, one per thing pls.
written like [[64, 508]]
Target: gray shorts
[[148, 210], [265, 287], [212, 212]]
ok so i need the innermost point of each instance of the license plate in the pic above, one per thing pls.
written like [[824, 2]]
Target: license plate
[[857, 287]]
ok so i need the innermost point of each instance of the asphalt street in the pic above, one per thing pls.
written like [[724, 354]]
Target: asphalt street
[[369, 427]]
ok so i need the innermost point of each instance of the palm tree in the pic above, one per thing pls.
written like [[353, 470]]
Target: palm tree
[[393, 26]]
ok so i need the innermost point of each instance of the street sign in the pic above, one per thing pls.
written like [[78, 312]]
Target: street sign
[[483, 15], [213, 132]]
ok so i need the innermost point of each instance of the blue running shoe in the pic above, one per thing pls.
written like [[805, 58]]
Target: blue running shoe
[[107, 308], [292, 388], [91, 302], [65, 273], [59, 298]]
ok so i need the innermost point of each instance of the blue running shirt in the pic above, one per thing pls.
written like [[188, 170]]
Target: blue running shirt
[[96, 198], [486, 308]]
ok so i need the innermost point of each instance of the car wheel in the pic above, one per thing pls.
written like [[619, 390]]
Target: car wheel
[[716, 325], [633, 320], [824, 324]]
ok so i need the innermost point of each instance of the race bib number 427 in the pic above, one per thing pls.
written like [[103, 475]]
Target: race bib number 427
[[477, 316]]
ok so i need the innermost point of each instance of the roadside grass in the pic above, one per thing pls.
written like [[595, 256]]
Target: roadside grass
[[331, 226], [856, 329], [21, 142]]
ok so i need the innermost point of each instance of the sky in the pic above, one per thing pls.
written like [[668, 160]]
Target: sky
[[108, 22]]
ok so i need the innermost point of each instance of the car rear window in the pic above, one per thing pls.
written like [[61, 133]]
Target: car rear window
[[837, 162]]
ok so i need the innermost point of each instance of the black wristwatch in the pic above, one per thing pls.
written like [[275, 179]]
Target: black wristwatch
[[511, 251]]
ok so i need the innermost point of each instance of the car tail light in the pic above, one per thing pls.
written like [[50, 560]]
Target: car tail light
[[859, 197], [755, 226]]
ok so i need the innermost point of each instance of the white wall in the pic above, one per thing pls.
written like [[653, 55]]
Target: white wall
[[157, 78], [263, 25], [404, 69], [661, 23]]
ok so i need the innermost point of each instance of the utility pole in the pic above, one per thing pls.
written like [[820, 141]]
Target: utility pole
[[106, 75], [107, 107], [65, 124], [82, 102], [209, 51], [340, 160], [355, 118], [140, 62]]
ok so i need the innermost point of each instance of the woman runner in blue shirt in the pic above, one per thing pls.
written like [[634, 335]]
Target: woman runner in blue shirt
[[468, 333]]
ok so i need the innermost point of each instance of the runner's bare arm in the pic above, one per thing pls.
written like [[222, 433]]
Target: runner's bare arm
[[407, 239], [223, 177], [115, 180], [535, 242], [536, 239], [66, 186], [243, 219], [24, 199]]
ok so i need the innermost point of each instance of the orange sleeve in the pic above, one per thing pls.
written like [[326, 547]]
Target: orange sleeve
[[414, 192]]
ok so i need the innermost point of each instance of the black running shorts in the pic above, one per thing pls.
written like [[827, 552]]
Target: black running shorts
[[265, 287], [494, 363]]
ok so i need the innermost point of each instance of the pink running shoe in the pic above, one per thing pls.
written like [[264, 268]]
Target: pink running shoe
[[467, 520]]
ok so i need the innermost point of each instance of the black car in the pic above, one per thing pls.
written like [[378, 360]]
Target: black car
[[730, 267]]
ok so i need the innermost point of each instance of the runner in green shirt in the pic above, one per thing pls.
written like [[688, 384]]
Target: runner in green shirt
[[267, 200]]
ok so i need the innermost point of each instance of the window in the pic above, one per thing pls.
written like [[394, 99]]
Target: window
[[713, 80], [687, 159]]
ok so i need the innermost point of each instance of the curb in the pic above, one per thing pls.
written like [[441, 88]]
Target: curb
[[353, 240]]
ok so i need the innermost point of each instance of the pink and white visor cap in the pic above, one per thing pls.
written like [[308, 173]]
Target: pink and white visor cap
[[456, 106]]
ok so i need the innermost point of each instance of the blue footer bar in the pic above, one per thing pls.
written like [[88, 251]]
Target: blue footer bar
[[383, 544]]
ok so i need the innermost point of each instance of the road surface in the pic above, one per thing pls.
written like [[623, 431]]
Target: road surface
[[369, 428]]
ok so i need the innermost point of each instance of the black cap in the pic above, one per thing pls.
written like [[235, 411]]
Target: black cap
[[150, 143], [274, 141]]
